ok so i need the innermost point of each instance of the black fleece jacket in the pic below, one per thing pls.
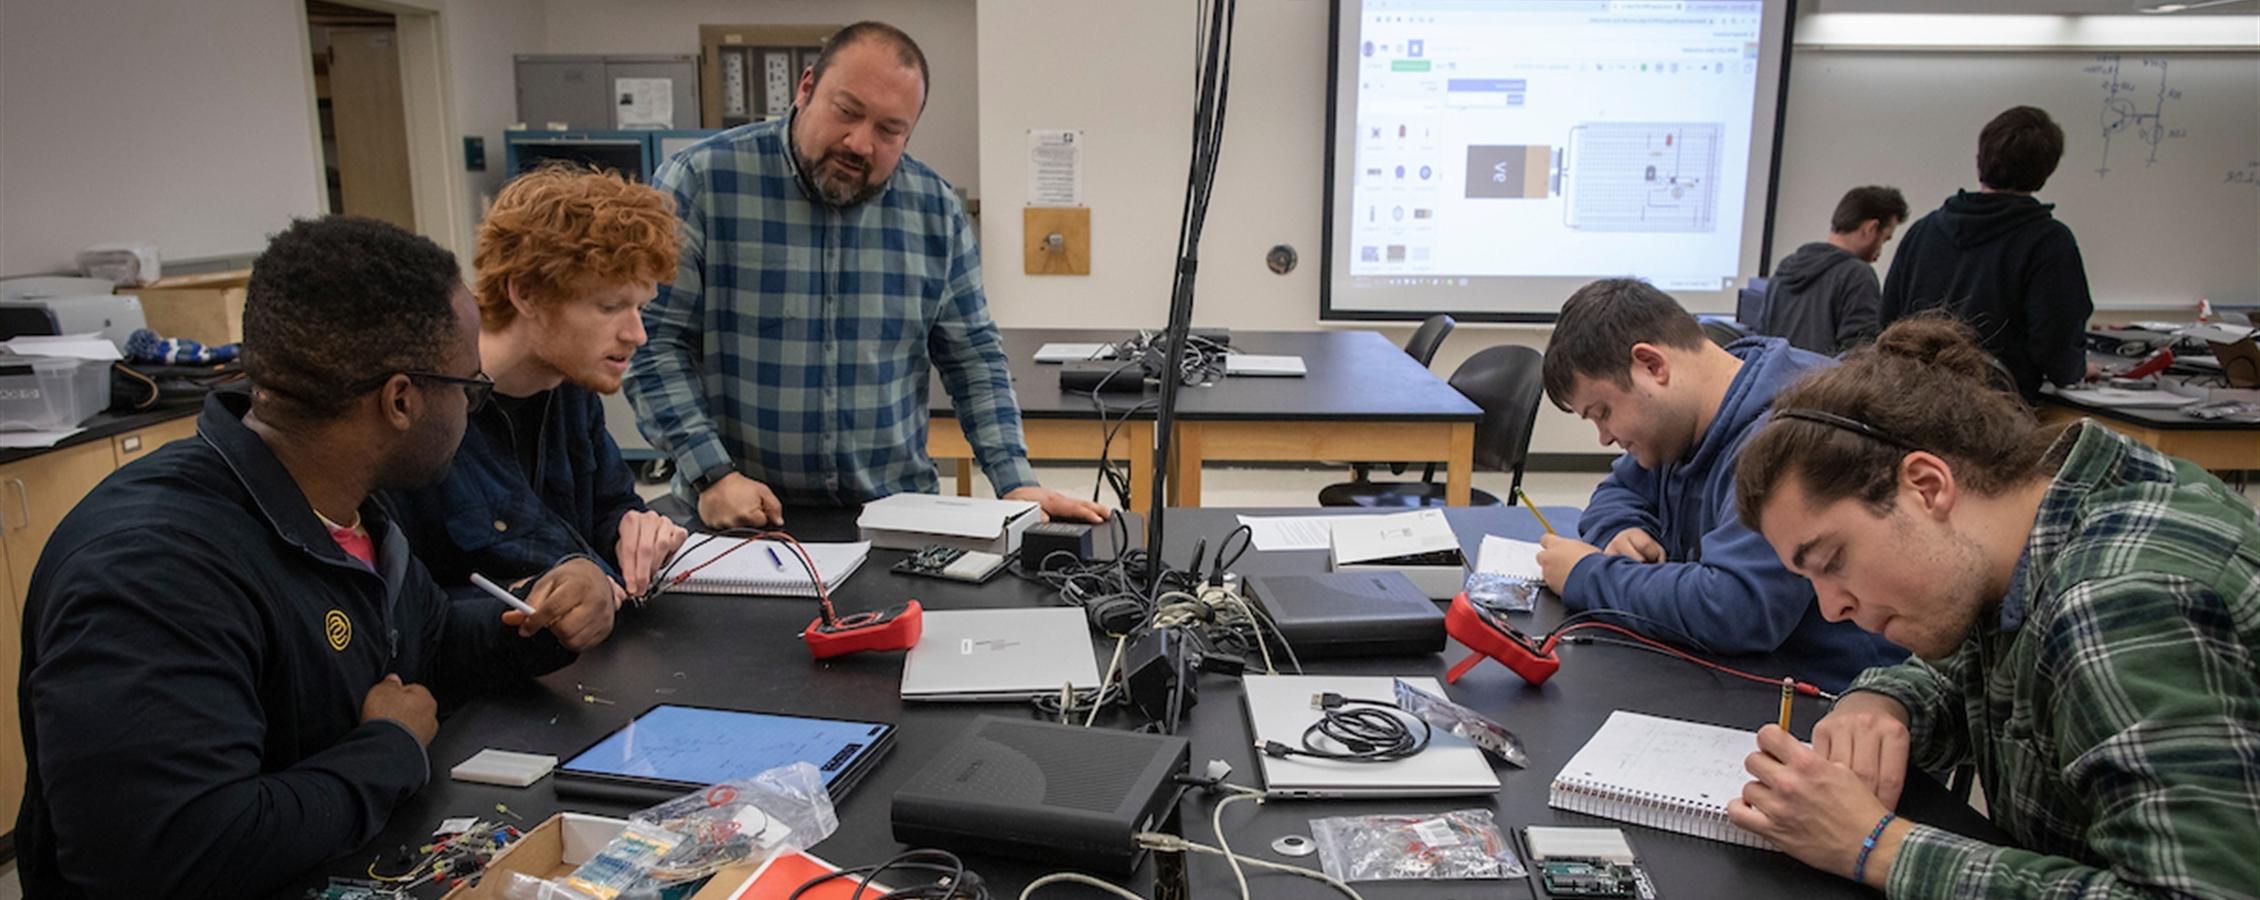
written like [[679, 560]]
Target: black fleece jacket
[[2005, 266]]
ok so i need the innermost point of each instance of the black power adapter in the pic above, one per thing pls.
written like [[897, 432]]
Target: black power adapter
[[1043, 539]]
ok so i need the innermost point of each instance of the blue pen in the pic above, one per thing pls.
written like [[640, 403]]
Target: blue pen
[[774, 558]]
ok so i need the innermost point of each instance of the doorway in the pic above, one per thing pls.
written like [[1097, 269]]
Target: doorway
[[357, 100]]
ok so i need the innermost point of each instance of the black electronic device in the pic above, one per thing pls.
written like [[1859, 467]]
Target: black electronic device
[[1103, 377], [951, 564], [1350, 614], [1043, 539], [670, 750], [1064, 795]]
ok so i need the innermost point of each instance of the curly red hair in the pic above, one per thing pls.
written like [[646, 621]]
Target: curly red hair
[[561, 229]]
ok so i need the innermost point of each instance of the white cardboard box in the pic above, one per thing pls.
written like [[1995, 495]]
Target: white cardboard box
[[1419, 545], [915, 521]]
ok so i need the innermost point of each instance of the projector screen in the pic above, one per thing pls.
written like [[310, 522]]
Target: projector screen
[[1485, 158]]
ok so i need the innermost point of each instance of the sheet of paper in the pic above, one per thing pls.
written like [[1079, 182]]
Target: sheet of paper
[[1291, 532], [1055, 167], [25, 440], [1509, 557], [645, 102], [1064, 353], [2126, 399], [71, 346]]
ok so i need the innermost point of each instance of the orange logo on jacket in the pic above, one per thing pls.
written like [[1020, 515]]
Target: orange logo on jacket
[[339, 629]]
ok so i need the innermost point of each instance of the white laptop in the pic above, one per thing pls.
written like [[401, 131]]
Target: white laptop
[[1279, 708], [1256, 364], [999, 654]]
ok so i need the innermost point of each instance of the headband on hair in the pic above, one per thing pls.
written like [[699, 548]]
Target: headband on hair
[[1847, 424]]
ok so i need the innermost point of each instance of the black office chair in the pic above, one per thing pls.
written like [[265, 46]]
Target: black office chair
[[1504, 381], [1722, 331], [1430, 337]]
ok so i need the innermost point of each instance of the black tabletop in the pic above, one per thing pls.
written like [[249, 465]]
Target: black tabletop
[[742, 652], [2162, 418], [1352, 375], [108, 425]]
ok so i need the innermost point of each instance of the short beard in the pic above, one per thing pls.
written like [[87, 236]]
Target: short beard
[[834, 193]]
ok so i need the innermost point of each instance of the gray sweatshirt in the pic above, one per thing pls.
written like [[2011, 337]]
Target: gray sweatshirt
[[1823, 299]]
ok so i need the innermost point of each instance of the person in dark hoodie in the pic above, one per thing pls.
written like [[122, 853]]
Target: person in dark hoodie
[[2000, 260], [232, 664], [1660, 538], [567, 260], [1823, 297]]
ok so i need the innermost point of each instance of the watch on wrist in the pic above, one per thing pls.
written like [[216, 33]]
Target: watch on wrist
[[708, 478]]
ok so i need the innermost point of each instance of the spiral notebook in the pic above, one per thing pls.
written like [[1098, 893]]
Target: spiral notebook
[[1662, 773], [761, 568]]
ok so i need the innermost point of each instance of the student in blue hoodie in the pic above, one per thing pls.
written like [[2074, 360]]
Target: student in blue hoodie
[[1660, 538]]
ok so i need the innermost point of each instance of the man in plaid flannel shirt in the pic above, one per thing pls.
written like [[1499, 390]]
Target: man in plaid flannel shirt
[[2085, 617], [823, 272]]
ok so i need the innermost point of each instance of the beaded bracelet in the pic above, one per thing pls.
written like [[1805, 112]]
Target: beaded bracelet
[[1860, 865]]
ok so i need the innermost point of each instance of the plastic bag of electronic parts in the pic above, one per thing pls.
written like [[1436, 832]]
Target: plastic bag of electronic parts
[[1463, 844], [667, 850], [1503, 593]]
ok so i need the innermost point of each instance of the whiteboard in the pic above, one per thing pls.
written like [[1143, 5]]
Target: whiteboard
[[2160, 191]]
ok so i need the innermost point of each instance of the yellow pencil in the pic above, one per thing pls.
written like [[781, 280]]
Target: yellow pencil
[[1788, 689], [1526, 501]]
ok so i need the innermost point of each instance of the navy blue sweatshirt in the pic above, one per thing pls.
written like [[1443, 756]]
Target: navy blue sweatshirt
[[1721, 586], [2005, 266], [196, 651], [492, 516]]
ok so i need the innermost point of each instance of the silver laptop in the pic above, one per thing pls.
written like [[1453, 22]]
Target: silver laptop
[[999, 654], [1279, 708]]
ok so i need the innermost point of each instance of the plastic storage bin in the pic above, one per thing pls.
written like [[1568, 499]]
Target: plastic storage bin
[[39, 393]]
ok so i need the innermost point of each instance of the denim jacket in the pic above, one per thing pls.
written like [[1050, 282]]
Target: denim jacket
[[487, 517]]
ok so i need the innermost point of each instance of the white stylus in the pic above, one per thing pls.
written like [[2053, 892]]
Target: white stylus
[[500, 594]]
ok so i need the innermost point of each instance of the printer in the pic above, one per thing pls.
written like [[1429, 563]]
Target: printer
[[57, 305]]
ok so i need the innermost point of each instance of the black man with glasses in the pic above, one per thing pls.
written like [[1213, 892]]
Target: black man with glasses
[[232, 662]]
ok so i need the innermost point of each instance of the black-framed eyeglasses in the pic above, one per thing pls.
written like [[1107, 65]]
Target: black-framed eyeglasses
[[476, 389]]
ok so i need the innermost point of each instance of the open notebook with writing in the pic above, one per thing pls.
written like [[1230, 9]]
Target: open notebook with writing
[[1662, 773], [761, 568]]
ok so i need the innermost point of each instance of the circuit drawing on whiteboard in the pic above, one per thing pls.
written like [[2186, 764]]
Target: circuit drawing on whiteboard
[[1646, 177], [2127, 107]]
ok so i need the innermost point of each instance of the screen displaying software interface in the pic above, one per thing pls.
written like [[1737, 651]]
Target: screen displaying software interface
[[1496, 139]]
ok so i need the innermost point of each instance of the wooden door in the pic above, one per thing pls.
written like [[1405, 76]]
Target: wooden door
[[372, 126]]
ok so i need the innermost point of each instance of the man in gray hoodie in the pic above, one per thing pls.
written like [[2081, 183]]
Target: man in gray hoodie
[[1823, 298]]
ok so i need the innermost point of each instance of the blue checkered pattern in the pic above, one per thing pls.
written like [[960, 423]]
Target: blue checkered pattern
[[796, 337]]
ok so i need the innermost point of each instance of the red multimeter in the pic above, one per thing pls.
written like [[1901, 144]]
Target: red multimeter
[[1492, 638], [890, 629]]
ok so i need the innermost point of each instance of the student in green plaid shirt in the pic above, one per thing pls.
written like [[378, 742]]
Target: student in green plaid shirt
[[2085, 618], [824, 274]]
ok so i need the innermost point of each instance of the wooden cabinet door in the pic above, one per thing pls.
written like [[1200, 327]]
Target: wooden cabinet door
[[35, 494]]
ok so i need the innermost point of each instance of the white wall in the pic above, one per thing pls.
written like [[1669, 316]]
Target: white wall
[[186, 124], [947, 137], [1038, 70], [482, 36]]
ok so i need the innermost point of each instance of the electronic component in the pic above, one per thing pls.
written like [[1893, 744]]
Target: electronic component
[[1492, 638], [503, 767], [891, 629], [1043, 539], [952, 563], [1585, 862], [1577, 879], [1337, 614], [1068, 796]]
